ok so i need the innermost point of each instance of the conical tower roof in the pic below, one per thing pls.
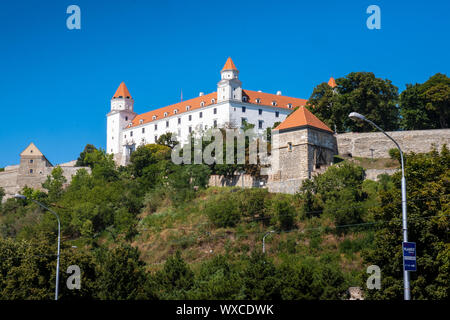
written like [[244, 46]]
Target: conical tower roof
[[229, 65], [300, 118], [122, 92]]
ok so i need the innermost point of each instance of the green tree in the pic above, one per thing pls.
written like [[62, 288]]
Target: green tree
[[175, 279], [168, 140], [121, 274], [54, 184], [427, 105], [81, 162], [427, 177], [361, 92]]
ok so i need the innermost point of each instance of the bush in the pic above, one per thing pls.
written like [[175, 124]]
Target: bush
[[223, 211], [251, 202], [282, 212]]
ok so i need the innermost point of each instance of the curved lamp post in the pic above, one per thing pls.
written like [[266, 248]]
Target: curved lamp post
[[19, 196], [264, 240], [360, 117]]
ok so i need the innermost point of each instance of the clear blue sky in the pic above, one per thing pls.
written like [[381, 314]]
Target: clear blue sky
[[56, 84]]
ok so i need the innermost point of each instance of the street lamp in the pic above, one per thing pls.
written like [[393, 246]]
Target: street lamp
[[264, 241], [406, 286], [19, 196]]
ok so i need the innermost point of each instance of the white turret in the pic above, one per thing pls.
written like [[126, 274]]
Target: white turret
[[118, 118], [229, 87]]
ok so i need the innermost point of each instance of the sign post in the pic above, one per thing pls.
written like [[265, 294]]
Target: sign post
[[409, 256]]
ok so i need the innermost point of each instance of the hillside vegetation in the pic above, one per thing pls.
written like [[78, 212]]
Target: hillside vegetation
[[154, 230]]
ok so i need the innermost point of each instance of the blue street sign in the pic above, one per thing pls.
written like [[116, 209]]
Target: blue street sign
[[409, 256]]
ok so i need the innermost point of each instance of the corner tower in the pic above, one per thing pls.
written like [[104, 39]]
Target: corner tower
[[229, 87], [117, 119]]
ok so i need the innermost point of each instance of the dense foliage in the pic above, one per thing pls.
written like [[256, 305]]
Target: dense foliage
[[313, 251], [419, 106]]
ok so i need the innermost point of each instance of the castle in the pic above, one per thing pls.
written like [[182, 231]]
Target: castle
[[302, 145], [32, 171], [230, 105]]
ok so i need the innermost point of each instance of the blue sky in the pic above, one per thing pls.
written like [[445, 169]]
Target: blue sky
[[56, 84]]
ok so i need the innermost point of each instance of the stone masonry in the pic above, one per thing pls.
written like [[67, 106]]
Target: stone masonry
[[32, 172]]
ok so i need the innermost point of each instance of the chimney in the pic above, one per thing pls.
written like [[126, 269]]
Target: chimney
[[278, 93], [201, 93]]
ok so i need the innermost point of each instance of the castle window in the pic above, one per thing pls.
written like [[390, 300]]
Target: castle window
[[190, 117], [179, 120], [141, 121], [243, 109], [128, 97], [154, 117], [31, 151], [215, 110], [289, 146], [165, 114], [243, 121], [213, 100], [156, 127], [260, 111], [126, 118], [258, 100], [215, 123], [31, 170], [175, 111], [244, 98], [131, 133], [260, 124], [274, 103], [143, 130], [31, 160], [277, 114], [201, 114], [289, 105], [167, 124], [156, 138], [202, 104], [190, 129], [188, 108], [130, 124]]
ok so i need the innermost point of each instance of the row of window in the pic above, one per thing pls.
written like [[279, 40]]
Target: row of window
[[167, 125], [179, 119], [260, 111], [260, 122], [258, 101]]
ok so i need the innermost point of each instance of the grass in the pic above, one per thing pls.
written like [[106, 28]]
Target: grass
[[379, 163], [187, 229]]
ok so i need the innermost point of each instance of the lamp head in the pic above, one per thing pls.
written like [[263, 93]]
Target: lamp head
[[356, 116], [19, 196]]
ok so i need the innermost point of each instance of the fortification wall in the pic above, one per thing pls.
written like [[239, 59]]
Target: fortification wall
[[419, 141], [243, 181]]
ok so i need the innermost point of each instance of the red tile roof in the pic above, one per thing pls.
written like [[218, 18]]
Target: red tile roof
[[180, 107], [332, 83], [122, 91], [265, 99], [229, 65], [302, 117]]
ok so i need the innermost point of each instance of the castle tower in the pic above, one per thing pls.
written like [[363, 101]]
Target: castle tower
[[118, 118], [229, 87]]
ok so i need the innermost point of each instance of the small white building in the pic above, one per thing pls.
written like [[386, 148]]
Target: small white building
[[230, 105]]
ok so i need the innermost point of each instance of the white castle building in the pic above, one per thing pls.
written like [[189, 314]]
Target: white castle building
[[230, 105]]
